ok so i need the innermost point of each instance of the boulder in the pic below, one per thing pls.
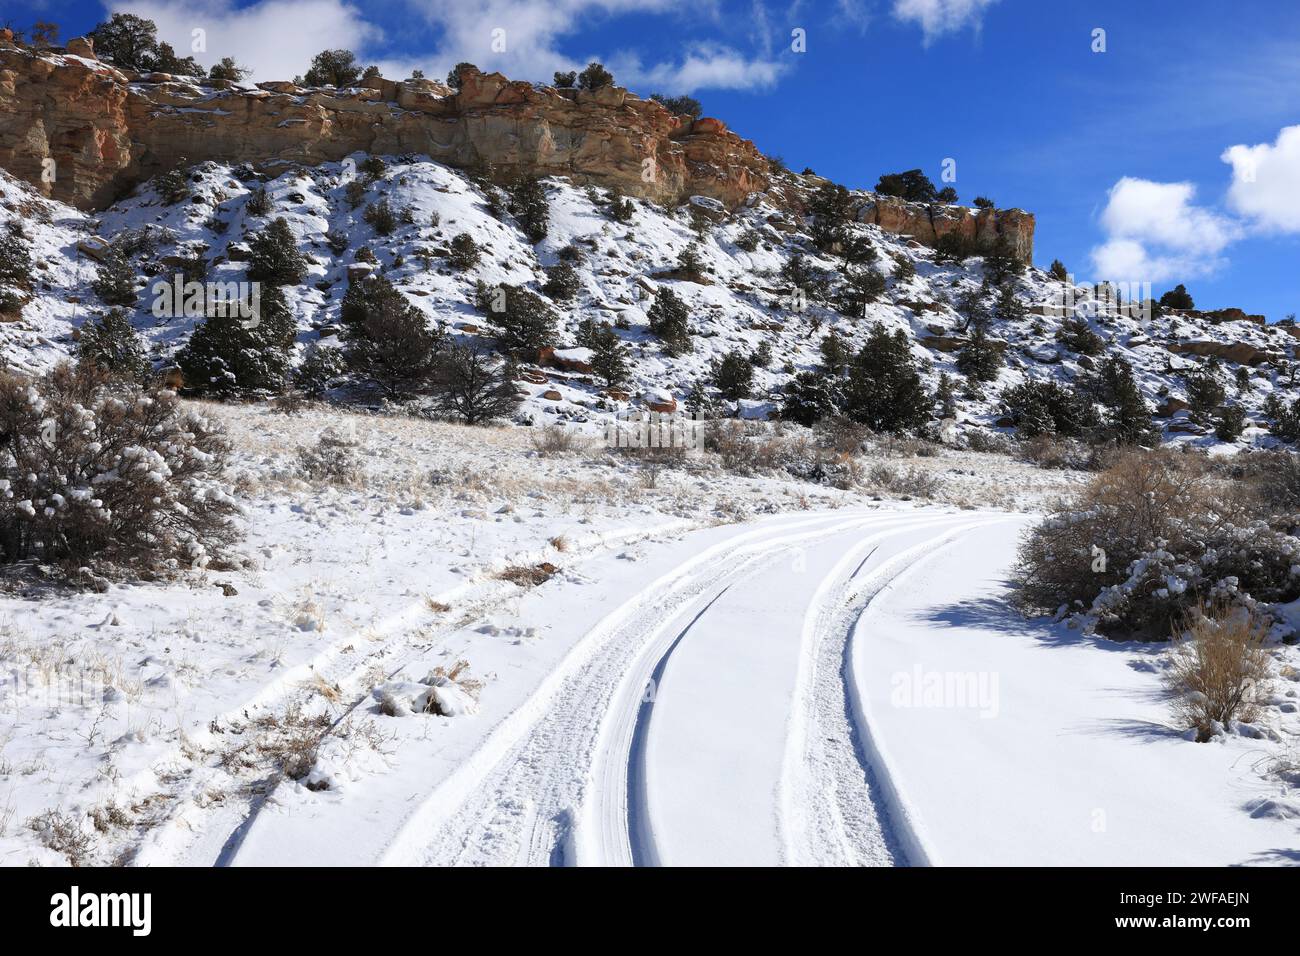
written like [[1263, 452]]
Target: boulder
[[82, 46], [551, 395], [1243, 353]]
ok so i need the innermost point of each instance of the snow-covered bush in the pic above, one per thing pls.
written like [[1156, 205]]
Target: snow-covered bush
[[333, 459], [1147, 539], [96, 472]]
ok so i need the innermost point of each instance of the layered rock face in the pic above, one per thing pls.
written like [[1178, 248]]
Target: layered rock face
[[85, 132], [106, 129], [928, 224]]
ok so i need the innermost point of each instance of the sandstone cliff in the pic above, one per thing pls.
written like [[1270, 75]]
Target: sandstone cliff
[[85, 132]]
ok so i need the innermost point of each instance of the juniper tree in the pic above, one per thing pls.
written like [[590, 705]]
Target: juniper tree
[[679, 105], [980, 358], [464, 252], [861, 287], [387, 339], [884, 390], [1127, 418], [113, 345], [1177, 298], [595, 76], [530, 207], [609, 356], [669, 322], [733, 375], [522, 320], [810, 397], [114, 280], [562, 282], [333, 68], [230, 356], [15, 260], [274, 258]]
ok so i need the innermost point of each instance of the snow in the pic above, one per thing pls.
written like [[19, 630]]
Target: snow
[[1068, 757]]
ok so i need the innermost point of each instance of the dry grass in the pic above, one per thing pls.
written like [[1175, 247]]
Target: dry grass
[[62, 833], [557, 440], [1218, 668], [528, 576], [560, 543], [437, 607]]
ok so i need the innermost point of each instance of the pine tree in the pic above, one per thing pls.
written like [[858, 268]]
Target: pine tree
[[229, 356], [1058, 271], [884, 389], [733, 375], [113, 345], [669, 321], [980, 359], [609, 356], [114, 279], [530, 207], [274, 258], [387, 339]]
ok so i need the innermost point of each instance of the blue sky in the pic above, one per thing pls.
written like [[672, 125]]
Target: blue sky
[[1121, 154]]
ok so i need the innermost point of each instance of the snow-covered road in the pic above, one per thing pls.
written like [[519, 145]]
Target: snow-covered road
[[700, 715], [846, 687]]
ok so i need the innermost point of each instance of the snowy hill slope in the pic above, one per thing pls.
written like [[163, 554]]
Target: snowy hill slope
[[738, 299]]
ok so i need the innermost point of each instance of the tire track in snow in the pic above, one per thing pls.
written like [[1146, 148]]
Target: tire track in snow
[[617, 829], [514, 800], [838, 806]]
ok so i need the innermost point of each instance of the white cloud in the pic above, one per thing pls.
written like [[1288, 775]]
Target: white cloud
[[937, 17], [701, 67], [275, 38], [533, 31], [1266, 181], [1155, 232]]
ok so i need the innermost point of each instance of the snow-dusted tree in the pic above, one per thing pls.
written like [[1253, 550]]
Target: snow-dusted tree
[[981, 357], [464, 251], [472, 387], [388, 340], [669, 321], [115, 278], [884, 389], [230, 356], [113, 345], [609, 356], [274, 258], [733, 374], [562, 282], [521, 319], [530, 207], [99, 472]]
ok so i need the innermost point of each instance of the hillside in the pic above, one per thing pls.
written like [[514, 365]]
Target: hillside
[[740, 299]]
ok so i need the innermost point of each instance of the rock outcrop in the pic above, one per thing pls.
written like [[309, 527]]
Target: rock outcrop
[[106, 129], [929, 223], [85, 132]]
